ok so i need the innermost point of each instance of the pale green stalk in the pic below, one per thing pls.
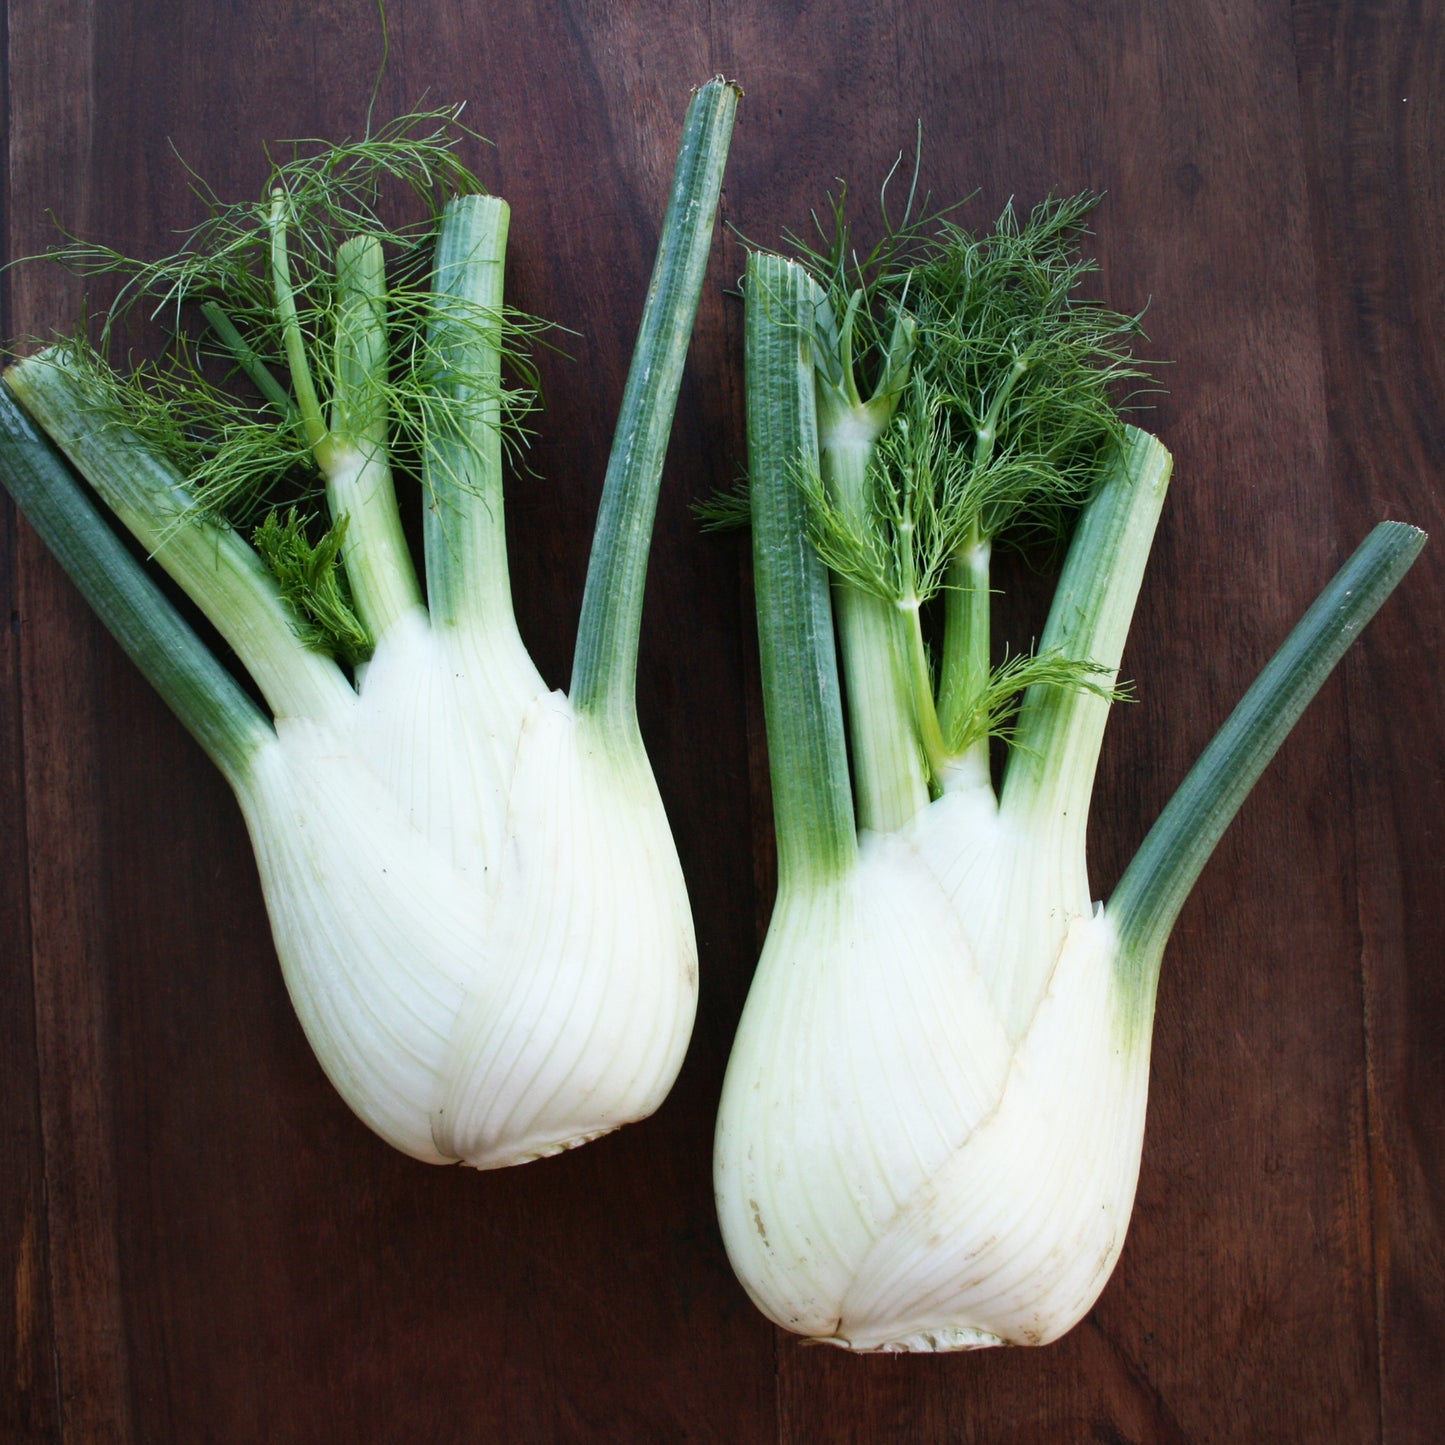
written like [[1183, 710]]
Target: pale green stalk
[[888, 762], [465, 535], [887, 757], [213, 708], [351, 450], [212, 564], [1049, 781], [353, 456], [967, 639], [964, 667], [308, 405], [1060, 731]]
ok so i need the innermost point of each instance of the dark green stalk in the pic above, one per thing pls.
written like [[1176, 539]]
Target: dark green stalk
[[201, 693], [1156, 883], [807, 750], [604, 674]]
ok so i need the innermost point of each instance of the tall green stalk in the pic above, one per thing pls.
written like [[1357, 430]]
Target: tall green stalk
[[353, 456], [464, 526], [807, 755], [604, 670], [1060, 730]]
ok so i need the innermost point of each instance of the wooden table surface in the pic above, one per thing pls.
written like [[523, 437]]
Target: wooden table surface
[[201, 1244]]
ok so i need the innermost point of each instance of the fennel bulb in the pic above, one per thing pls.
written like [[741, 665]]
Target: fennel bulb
[[470, 878], [932, 1118]]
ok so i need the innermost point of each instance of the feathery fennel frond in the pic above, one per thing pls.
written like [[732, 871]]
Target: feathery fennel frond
[[728, 511], [243, 345], [995, 706], [993, 330], [967, 395], [1032, 372], [313, 582]]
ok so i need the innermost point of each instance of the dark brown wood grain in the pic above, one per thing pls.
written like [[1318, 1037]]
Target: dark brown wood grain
[[1377, 196], [201, 1243], [61, 662], [27, 1406]]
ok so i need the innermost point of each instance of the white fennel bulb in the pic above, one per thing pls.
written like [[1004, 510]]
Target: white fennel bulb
[[487, 983], [932, 1120], [470, 877], [926, 1182]]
